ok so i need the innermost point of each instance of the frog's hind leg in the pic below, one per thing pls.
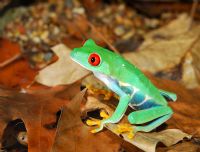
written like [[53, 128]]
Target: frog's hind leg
[[157, 115], [153, 124]]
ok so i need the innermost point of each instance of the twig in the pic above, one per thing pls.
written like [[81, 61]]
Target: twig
[[193, 11], [9, 61], [103, 38]]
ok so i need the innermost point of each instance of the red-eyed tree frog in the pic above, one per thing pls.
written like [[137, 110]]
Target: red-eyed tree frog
[[129, 83]]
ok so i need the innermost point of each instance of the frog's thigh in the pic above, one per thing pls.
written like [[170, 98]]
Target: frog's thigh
[[153, 124], [146, 115]]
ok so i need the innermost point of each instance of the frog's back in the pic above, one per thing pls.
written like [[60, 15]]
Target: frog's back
[[127, 74]]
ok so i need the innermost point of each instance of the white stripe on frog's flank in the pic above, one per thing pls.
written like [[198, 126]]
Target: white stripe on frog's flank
[[141, 103], [104, 78], [132, 106], [124, 84], [133, 93]]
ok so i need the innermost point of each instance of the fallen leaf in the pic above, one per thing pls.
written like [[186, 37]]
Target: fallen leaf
[[64, 71], [37, 111], [14, 72], [191, 67], [149, 141], [8, 50], [17, 75], [167, 47], [78, 27], [73, 135], [190, 72], [183, 147]]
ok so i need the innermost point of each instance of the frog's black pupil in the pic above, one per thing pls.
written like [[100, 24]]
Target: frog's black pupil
[[93, 59]]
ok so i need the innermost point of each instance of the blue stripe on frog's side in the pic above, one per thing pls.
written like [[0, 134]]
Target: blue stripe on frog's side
[[127, 89], [138, 98], [140, 102], [148, 104]]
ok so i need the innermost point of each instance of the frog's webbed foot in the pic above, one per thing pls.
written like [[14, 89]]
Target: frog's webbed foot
[[126, 128], [97, 122]]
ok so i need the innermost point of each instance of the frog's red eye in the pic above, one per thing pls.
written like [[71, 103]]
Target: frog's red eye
[[94, 59]]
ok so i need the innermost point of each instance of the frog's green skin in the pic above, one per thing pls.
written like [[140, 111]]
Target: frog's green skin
[[132, 86]]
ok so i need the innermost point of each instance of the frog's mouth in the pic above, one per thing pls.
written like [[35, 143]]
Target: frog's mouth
[[73, 59]]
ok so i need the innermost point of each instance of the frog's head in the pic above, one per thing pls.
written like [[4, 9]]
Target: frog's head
[[94, 57]]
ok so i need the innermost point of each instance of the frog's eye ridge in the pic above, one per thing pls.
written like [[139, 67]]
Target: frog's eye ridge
[[94, 59]]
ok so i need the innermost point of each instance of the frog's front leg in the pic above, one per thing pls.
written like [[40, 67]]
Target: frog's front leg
[[157, 115], [117, 115], [123, 102]]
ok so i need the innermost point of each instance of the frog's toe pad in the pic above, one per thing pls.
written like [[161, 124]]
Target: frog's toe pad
[[90, 122], [125, 128], [94, 131], [104, 115]]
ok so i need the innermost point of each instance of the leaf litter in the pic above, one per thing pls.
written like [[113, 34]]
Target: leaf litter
[[181, 113]]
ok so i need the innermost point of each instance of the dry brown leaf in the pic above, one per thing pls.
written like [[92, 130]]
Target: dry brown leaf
[[8, 50], [149, 141], [164, 48], [168, 47], [14, 72], [37, 111], [191, 67], [182, 147], [63, 71], [190, 72], [74, 136], [174, 28]]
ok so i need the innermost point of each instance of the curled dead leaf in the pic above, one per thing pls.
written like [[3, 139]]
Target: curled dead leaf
[[73, 135], [62, 72]]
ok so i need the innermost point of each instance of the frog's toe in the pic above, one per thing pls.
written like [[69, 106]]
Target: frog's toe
[[97, 130], [93, 122], [126, 128], [103, 114], [131, 134]]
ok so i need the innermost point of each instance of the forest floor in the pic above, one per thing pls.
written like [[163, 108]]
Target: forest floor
[[40, 94]]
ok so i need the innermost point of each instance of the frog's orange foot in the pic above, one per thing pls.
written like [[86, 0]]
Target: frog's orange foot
[[104, 114], [125, 128], [97, 122], [93, 122]]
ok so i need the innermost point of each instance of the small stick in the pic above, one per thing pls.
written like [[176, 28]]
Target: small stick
[[193, 11], [9, 61], [103, 38]]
